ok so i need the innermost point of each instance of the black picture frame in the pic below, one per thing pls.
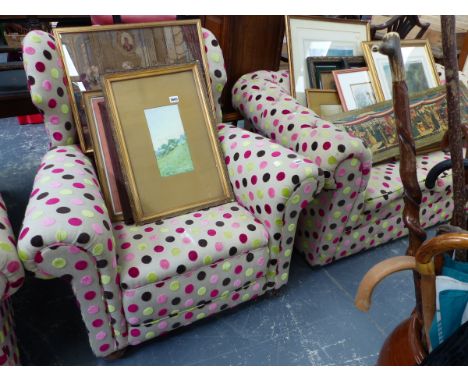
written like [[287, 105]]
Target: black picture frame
[[320, 68]]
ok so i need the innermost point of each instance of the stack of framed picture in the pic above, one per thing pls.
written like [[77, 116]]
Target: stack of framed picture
[[333, 68], [143, 109]]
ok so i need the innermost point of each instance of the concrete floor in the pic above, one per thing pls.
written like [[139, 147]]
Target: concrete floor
[[312, 321]]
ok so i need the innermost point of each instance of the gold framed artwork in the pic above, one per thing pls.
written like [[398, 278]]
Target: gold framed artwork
[[324, 103], [90, 52], [421, 73], [168, 148], [354, 88], [309, 36], [104, 152]]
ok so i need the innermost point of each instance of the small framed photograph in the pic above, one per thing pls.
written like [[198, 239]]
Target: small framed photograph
[[105, 153], [324, 103], [90, 52], [309, 36], [320, 69], [419, 63], [168, 147], [354, 88]]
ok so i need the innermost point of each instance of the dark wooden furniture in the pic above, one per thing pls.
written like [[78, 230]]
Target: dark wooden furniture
[[400, 24], [249, 43]]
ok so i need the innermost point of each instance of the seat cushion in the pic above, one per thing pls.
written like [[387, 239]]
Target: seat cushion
[[385, 184], [188, 260]]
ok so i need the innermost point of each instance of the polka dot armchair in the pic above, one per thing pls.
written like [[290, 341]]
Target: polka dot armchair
[[11, 278], [360, 205], [134, 283]]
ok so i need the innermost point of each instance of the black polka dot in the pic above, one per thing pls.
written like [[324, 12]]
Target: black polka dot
[[63, 210], [37, 241], [201, 275], [181, 269], [60, 92], [146, 259], [47, 54], [217, 73], [146, 296], [83, 238]]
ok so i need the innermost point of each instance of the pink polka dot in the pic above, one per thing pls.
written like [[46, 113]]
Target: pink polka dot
[[243, 238], [162, 299], [86, 280], [47, 222], [97, 229], [51, 45], [29, 50], [135, 332], [211, 232], [90, 295], [133, 308], [133, 272], [40, 67], [78, 185], [164, 264], [54, 119], [189, 288], [93, 309], [57, 136], [104, 348], [81, 265], [53, 201], [214, 279], [13, 266], [219, 246], [100, 336], [162, 325], [52, 103], [75, 222], [97, 323], [193, 255]]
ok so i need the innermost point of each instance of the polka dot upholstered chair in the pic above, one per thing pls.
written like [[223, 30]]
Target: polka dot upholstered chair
[[134, 283], [360, 205], [11, 278]]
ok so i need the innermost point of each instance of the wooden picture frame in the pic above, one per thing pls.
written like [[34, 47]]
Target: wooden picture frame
[[323, 102], [341, 37], [354, 88], [421, 73], [168, 147], [105, 153], [90, 52], [319, 67]]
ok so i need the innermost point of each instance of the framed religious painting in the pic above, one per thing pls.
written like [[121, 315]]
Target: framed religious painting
[[323, 102], [168, 147], [419, 64], [105, 153], [91, 52], [354, 88], [309, 36]]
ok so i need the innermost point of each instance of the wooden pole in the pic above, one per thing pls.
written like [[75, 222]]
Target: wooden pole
[[449, 45]]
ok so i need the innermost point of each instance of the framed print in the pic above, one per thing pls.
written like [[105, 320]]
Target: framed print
[[419, 63], [168, 147], [354, 88], [91, 52], [320, 69], [324, 103], [104, 152], [309, 36]]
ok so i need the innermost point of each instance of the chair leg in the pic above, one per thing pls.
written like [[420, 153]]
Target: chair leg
[[116, 355]]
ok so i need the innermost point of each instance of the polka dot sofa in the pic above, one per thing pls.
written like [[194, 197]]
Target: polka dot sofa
[[11, 278], [361, 205], [132, 282]]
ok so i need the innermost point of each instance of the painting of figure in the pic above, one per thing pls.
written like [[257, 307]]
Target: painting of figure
[[363, 94], [415, 77], [169, 140]]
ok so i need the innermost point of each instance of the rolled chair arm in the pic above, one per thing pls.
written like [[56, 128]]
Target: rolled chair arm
[[11, 270], [264, 100], [67, 233], [274, 184]]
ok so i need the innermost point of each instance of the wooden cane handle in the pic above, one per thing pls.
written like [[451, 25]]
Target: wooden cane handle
[[376, 274], [438, 245]]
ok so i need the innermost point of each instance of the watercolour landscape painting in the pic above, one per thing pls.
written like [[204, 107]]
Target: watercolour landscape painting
[[169, 140]]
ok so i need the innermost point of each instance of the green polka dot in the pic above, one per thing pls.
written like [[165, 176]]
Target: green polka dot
[[227, 266], [142, 247], [224, 295], [354, 218], [291, 227], [149, 335], [61, 235], [271, 274], [385, 224], [215, 57], [117, 332], [201, 315], [208, 260], [249, 272], [59, 263], [260, 194], [285, 192], [54, 73], [328, 237], [332, 160], [152, 277], [105, 279], [245, 297], [65, 191], [275, 249], [89, 182], [354, 162], [45, 179], [336, 214], [68, 165], [175, 285], [65, 109], [35, 38], [37, 98], [219, 88], [87, 213], [284, 276], [23, 255], [98, 249], [347, 190], [355, 235], [288, 253], [70, 140], [175, 251], [201, 291], [5, 247], [296, 199], [111, 308], [256, 243], [148, 311]]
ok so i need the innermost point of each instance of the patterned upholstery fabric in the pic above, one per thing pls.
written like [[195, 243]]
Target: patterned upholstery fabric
[[360, 206], [11, 278], [137, 282]]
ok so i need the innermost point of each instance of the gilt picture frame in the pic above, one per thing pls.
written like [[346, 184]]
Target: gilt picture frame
[[324, 102], [167, 142], [421, 74], [90, 52], [308, 36], [354, 88]]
